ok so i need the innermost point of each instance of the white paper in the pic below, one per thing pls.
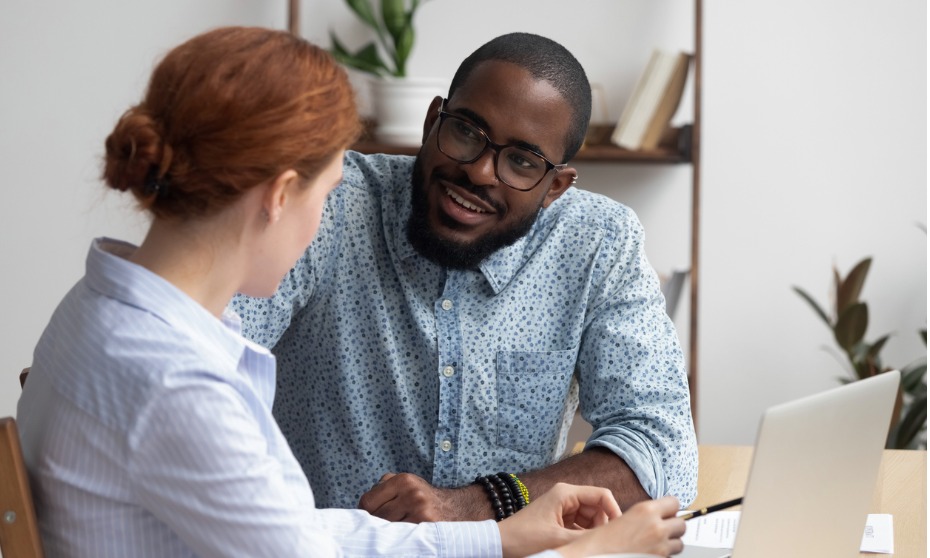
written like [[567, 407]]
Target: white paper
[[879, 534], [718, 530], [715, 530]]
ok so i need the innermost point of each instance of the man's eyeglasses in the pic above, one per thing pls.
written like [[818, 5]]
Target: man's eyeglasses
[[517, 167]]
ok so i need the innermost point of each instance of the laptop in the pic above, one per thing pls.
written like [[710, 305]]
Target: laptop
[[813, 474]]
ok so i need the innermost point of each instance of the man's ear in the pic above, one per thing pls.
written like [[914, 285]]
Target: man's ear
[[431, 115], [564, 179], [278, 192]]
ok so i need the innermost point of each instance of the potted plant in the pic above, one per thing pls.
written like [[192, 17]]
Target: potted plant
[[399, 100], [848, 321]]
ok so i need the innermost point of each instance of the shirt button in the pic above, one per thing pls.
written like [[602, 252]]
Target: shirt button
[[447, 304], [448, 371], [446, 445]]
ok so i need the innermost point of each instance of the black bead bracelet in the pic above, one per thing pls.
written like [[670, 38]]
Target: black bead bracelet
[[506, 492], [496, 504]]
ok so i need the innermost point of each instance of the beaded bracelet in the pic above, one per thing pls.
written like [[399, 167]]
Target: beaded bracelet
[[519, 502], [506, 492], [496, 503], [505, 495], [521, 494]]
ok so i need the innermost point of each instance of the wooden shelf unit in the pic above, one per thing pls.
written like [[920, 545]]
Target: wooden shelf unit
[[694, 276]]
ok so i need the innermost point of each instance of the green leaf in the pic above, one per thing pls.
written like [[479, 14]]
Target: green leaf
[[864, 368], [366, 59], [837, 281], [865, 359], [399, 24], [912, 423], [393, 27], [403, 47], [394, 17], [814, 305], [363, 10], [368, 54], [850, 288], [912, 374], [876, 347], [851, 325], [338, 48]]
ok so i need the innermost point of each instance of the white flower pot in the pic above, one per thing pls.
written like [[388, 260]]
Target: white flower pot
[[400, 106]]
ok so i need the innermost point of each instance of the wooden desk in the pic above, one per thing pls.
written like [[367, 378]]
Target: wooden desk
[[900, 491]]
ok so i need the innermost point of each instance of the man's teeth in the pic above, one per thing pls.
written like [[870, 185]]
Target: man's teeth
[[463, 202]]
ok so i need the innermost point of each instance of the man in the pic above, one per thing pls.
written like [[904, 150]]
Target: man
[[455, 308]]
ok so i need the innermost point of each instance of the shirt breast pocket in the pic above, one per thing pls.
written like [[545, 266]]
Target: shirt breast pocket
[[531, 390]]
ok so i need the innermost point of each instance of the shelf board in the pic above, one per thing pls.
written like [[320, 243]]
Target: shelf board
[[613, 154]]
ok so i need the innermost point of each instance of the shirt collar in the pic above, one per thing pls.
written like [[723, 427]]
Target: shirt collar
[[111, 274], [500, 267]]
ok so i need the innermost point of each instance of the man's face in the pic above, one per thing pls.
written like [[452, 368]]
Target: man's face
[[462, 212]]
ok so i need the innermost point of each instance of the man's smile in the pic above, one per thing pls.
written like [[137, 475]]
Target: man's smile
[[463, 207], [463, 202]]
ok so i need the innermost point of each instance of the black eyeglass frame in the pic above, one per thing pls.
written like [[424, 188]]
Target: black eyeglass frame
[[496, 147]]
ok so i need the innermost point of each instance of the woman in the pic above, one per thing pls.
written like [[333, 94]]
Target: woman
[[146, 420]]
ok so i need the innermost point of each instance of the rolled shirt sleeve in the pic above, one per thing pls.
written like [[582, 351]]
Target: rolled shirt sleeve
[[633, 384]]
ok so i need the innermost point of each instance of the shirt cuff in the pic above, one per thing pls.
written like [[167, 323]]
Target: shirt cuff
[[637, 454], [469, 538]]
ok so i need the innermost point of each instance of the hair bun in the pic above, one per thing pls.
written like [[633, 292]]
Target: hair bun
[[134, 153]]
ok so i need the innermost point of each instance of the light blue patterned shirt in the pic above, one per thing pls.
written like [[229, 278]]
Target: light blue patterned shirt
[[147, 431], [388, 362]]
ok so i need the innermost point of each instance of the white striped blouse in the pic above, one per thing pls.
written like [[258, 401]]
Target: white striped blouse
[[147, 430]]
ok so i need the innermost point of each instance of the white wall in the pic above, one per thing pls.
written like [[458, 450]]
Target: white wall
[[814, 152], [67, 71]]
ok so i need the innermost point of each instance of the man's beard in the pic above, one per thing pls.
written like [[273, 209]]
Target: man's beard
[[449, 253]]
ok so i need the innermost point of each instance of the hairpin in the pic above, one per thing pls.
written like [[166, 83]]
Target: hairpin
[[154, 185]]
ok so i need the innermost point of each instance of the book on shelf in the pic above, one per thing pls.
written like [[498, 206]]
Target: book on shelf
[[672, 285], [654, 101]]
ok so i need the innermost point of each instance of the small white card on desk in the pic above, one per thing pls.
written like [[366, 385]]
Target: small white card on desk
[[718, 530], [879, 534]]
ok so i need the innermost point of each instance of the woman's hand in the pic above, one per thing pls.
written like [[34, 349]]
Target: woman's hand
[[556, 518], [649, 527]]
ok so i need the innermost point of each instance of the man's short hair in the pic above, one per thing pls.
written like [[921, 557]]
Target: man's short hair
[[546, 60]]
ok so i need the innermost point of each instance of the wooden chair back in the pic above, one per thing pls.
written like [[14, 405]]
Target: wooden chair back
[[19, 529]]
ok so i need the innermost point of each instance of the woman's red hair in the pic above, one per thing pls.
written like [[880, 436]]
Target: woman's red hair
[[228, 110]]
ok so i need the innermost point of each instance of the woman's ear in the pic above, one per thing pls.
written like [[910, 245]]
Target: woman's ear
[[277, 193]]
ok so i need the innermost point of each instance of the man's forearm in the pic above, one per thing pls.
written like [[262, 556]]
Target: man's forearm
[[407, 497], [595, 467]]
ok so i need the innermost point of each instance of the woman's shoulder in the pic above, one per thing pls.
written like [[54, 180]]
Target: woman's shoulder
[[108, 357]]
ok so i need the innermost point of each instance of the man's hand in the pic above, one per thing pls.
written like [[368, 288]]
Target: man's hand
[[407, 497]]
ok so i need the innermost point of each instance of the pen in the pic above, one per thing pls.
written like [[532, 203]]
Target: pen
[[710, 509]]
